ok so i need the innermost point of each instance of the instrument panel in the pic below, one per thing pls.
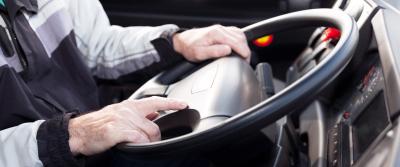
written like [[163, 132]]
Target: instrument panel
[[363, 118]]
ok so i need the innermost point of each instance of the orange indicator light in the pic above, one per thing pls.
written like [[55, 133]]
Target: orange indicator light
[[264, 41]]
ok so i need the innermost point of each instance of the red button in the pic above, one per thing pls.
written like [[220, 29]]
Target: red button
[[331, 33], [346, 115]]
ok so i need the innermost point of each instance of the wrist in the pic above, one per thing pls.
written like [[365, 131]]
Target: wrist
[[53, 142], [175, 40], [74, 141], [176, 43]]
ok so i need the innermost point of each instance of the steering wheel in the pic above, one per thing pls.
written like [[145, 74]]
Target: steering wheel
[[225, 97]]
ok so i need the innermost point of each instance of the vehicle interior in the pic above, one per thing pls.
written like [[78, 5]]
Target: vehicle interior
[[322, 88]]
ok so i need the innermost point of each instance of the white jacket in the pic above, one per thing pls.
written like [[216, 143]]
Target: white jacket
[[110, 51]]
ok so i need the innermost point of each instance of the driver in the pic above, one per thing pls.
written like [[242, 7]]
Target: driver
[[50, 51]]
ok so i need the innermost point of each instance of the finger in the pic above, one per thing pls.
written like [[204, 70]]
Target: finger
[[214, 51], [131, 119], [240, 36], [122, 124], [134, 136], [237, 30], [248, 59], [236, 33], [153, 104], [239, 46], [149, 128]]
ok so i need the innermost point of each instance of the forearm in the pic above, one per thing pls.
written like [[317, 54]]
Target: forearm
[[111, 51], [18, 145], [169, 58], [119, 51]]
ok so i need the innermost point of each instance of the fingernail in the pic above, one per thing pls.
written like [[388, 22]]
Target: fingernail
[[182, 104]]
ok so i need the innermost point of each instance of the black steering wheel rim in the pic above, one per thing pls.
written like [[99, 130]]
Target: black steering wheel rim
[[300, 92]]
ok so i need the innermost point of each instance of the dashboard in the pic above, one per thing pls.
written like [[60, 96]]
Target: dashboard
[[362, 118], [356, 118]]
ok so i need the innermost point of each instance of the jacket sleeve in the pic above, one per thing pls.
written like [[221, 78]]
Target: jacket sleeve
[[112, 51], [18, 146], [53, 146]]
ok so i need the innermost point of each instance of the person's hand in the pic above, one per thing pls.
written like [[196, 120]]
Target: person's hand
[[211, 42], [128, 121]]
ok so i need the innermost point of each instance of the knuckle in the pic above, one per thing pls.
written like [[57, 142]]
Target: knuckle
[[196, 54], [225, 51], [215, 52], [236, 41], [116, 117], [112, 118], [116, 111], [216, 26], [127, 101], [107, 129], [133, 136], [109, 108], [154, 130], [235, 28], [155, 98], [243, 37], [130, 102], [212, 32], [217, 29], [238, 30]]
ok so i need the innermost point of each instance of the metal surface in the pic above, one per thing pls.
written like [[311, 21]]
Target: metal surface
[[224, 87]]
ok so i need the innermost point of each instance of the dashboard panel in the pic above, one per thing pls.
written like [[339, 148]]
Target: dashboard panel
[[359, 112], [363, 133], [363, 116]]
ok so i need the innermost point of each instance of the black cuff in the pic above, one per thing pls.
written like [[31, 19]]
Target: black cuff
[[165, 48], [52, 138]]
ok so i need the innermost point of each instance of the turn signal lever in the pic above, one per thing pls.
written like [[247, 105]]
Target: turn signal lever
[[266, 79]]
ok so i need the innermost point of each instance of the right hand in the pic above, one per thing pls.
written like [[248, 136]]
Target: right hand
[[211, 42], [128, 121]]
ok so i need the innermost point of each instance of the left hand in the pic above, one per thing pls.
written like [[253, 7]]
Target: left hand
[[211, 42], [128, 121]]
